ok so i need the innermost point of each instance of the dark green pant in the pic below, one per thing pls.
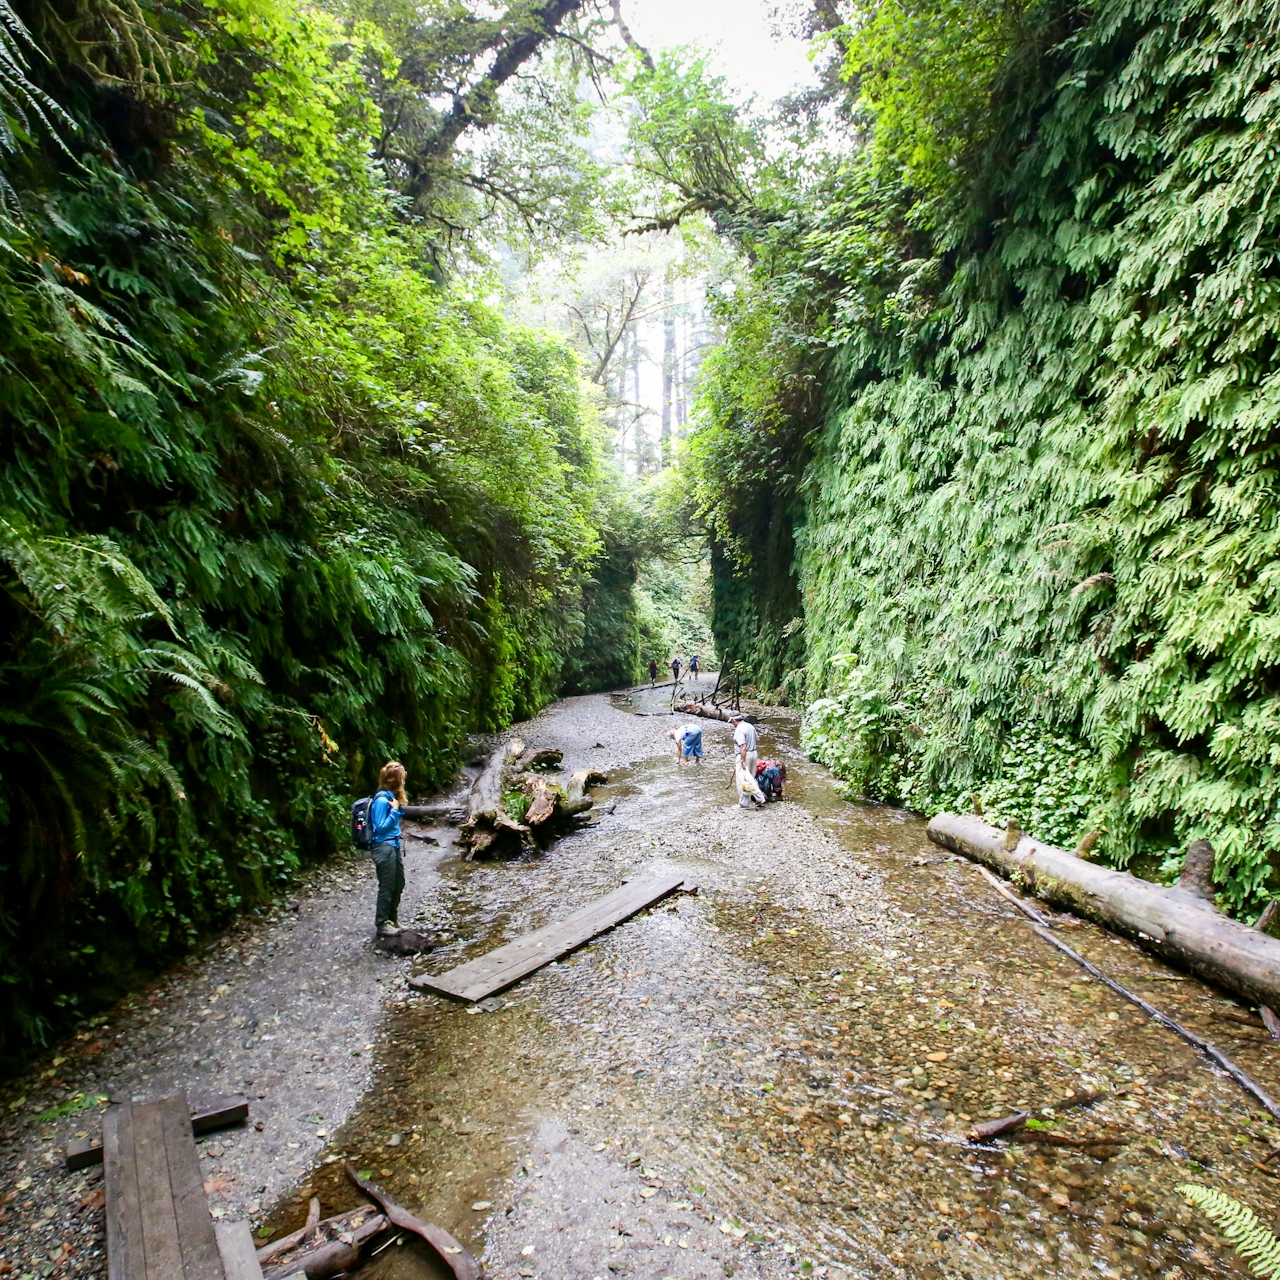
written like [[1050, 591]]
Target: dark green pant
[[390, 869]]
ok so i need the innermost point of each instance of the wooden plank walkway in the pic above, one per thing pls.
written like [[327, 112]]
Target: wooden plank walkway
[[500, 968], [239, 1255], [158, 1224]]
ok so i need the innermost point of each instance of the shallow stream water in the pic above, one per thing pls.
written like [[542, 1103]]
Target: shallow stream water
[[776, 1075]]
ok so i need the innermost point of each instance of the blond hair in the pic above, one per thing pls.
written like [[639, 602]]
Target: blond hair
[[392, 779]]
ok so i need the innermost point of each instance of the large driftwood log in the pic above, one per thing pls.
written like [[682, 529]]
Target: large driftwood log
[[487, 821], [490, 827], [1180, 924]]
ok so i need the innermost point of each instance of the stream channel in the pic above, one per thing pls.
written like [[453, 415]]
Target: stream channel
[[772, 1077], [776, 1075]]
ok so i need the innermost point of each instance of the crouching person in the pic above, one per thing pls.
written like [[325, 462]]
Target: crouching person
[[384, 819], [770, 775]]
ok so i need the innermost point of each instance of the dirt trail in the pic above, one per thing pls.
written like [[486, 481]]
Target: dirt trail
[[748, 1082]]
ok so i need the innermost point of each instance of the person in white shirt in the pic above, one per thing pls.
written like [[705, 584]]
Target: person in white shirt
[[744, 741]]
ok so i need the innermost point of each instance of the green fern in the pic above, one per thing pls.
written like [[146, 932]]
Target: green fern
[[1250, 1239]]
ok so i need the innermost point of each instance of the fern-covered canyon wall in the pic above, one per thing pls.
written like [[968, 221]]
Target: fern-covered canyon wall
[[278, 502], [1034, 493]]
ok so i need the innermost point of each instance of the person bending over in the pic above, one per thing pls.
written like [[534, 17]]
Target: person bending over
[[384, 818], [688, 744]]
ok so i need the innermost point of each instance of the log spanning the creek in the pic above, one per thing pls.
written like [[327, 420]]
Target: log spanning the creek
[[1180, 924], [710, 712]]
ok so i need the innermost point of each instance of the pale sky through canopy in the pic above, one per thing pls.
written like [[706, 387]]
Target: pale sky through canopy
[[738, 33]]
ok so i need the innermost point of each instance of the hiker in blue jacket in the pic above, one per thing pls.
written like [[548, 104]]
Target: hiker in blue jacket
[[384, 818]]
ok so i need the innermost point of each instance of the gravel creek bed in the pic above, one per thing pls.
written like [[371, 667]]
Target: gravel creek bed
[[772, 1076]]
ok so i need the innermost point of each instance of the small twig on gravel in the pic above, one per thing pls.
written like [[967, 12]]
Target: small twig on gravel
[[1041, 929], [1050, 1139], [997, 1128], [1245, 1019]]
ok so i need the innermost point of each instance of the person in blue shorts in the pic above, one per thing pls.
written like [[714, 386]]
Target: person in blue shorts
[[688, 744]]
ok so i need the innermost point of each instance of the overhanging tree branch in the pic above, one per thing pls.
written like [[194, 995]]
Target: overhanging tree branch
[[524, 29], [628, 39]]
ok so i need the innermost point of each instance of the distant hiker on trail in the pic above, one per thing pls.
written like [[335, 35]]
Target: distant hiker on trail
[[384, 818], [693, 666], [688, 742], [744, 742], [675, 668], [653, 671]]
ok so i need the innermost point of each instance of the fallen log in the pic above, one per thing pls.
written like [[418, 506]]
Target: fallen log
[[545, 759], [447, 810], [1180, 924], [580, 781]]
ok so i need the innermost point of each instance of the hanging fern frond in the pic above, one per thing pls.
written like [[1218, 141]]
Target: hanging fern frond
[[23, 102], [18, 94], [1250, 1239]]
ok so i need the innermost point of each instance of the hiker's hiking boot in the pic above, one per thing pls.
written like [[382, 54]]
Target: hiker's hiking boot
[[388, 930]]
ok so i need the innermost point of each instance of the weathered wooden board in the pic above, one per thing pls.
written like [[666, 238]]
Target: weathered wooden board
[[158, 1224], [239, 1256], [218, 1113], [498, 969]]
